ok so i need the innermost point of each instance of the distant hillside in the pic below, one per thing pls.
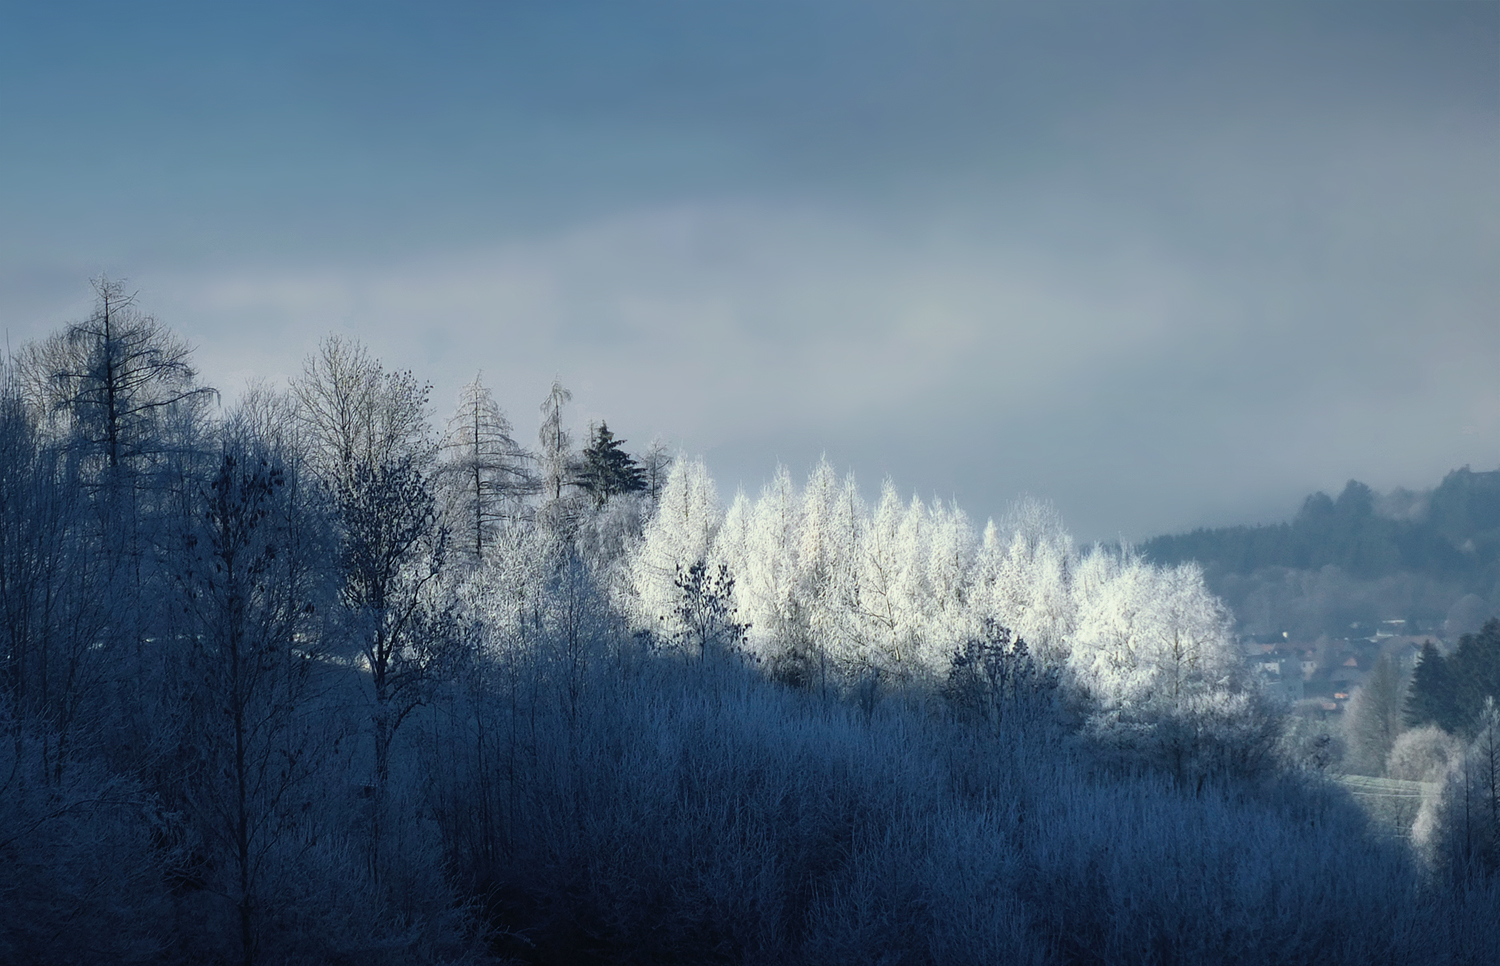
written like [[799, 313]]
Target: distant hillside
[[1343, 565]]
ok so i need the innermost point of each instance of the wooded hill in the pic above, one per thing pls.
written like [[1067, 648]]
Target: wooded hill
[[1344, 564]]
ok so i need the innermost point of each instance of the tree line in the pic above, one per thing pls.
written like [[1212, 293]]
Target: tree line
[[1451, 532], [1345, 563]]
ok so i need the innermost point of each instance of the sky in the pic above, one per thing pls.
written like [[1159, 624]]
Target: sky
[[1164, 265]]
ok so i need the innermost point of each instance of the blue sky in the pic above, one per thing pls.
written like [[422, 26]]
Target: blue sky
[[1164, 264]]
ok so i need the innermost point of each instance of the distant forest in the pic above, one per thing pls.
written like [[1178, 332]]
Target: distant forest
[[325, 677], [1341, 566]]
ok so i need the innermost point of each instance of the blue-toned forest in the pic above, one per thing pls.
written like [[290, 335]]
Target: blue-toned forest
[[334, 674]]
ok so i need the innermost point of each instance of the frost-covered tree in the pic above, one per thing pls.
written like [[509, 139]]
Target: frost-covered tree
[[393, 550], [576, 622], [1373, 719], [767, 584], [655, 463], [832, 527], [371, 444], [357, 417], [882, 619], [119, 393], [731, 544], [1423, 755], [121, 384], [951, 558], [1024, 577], [1150, 633], [678, 535], [556, 443], [905, 629], [1466, 832], [1153, 648], [251, 585], [56, 607], [482, 474], [514, 585], [914, 597]]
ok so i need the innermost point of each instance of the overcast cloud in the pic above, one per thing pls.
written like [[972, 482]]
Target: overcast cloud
[[1167, 265]]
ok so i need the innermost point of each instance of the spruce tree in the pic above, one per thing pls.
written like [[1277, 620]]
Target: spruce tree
[[1475, 672], [1431, 698], [607, 469]]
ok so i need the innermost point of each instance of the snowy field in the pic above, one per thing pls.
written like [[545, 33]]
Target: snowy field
[[1392, 804]]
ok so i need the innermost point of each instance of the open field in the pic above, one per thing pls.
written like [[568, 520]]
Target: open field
[[1391, 804]]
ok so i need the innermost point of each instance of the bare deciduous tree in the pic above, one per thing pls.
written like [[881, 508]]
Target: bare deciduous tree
[[367, 430], [356, 415], [115, 380], [249, 588]]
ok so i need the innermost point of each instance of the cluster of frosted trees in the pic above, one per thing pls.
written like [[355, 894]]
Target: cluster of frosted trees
[[837, 593]]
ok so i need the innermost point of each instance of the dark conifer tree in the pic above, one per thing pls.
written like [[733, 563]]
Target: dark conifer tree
[[607, 469], [1431, 698], [1475, 672]]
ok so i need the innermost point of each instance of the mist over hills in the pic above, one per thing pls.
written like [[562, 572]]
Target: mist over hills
[[1344, 565]]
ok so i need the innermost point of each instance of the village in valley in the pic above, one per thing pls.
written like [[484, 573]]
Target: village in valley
[[1319, 676]]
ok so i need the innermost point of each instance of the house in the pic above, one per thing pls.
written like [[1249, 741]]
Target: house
[[1348, 675], [1284, 682]]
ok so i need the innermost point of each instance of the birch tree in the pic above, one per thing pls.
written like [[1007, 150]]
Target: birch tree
[[368, 431], [357, 416], [1154, 649]]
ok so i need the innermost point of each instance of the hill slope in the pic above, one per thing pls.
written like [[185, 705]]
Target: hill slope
[[1344, 565]]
